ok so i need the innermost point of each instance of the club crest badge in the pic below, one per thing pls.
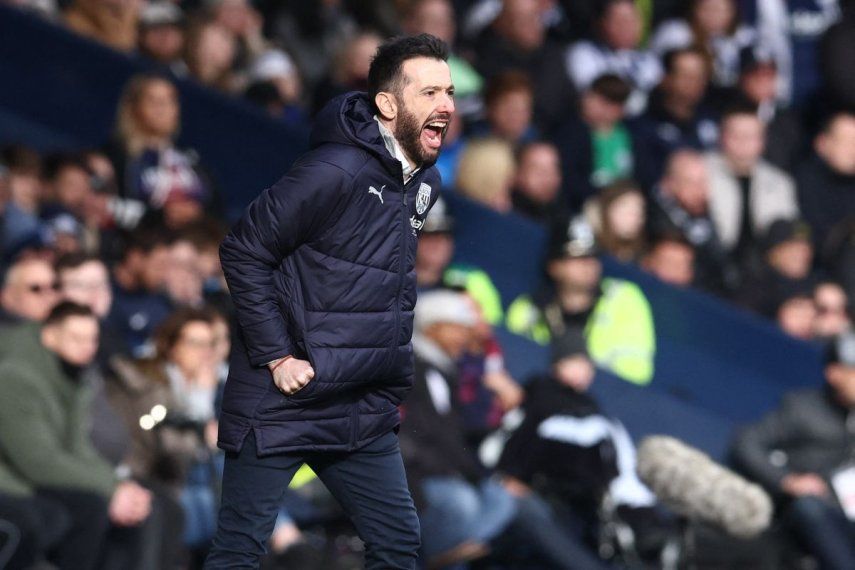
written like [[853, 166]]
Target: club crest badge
[[423, 199]]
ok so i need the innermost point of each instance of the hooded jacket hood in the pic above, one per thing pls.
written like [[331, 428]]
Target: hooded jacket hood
[[349, 119]]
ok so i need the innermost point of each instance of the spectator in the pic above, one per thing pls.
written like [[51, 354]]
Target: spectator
[[747, 193], [161, 35], [619, 215], [20, 214], [826, 180], [614, 313], [71, 194], [793, 31], [462, 511], [676, 116], [536, 191], [29, 291], [149, 167], [275, 69], [244, 23], [112, 23], [167, 402], [210, 53], [597, 149], [796, 316], [795, 452], [84, 279], [516, 40], [758, 78], [617, 50], [486, 173], [832, 308], [680, 204], [785, 269], [509, 101], [349, 71], [139, 281], [836, 50], [184, 281], [45, 439], [714, 26], [578, 473], [671, 259]]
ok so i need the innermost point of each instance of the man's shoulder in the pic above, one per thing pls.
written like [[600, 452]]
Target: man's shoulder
[[344, 159]]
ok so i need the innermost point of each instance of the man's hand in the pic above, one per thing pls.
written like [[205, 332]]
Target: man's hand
[[292, 375], [804, 484], [130, 504]]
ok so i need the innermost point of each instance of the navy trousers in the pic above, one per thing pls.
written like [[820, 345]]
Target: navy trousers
[[370, 484]]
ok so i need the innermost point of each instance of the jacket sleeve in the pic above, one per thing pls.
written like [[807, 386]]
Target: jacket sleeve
[[35, 451], [275, 224], [754, 444]]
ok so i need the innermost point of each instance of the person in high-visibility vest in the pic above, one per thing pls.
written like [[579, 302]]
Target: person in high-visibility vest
[[613, 314]]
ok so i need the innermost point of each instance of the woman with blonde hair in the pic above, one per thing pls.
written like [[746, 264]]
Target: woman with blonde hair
[[486, 173], [149, 167]]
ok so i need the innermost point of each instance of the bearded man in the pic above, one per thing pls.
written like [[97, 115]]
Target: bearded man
[[321, 271]]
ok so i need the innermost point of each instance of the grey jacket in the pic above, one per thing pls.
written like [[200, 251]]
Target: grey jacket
[[808, 433]]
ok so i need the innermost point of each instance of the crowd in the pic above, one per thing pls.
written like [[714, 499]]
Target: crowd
[[711, 143]]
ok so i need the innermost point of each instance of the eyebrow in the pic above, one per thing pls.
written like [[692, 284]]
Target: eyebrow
[[437, 88]]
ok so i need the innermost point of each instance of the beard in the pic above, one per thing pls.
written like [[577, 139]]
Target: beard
[[408, 133]]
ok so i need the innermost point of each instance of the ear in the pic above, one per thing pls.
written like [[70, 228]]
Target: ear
[[387, 105]]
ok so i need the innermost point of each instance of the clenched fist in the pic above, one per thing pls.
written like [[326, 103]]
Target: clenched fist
[[291, 375]]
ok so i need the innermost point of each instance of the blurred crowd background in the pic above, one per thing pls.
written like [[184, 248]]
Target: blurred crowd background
[[623, 179]]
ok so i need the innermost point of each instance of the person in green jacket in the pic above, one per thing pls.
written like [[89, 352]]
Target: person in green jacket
[[613, 314], [49, 469]]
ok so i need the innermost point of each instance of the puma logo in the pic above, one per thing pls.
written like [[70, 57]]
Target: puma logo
[[379, 193]]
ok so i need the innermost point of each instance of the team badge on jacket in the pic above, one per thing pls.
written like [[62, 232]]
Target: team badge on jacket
[[423, 199]]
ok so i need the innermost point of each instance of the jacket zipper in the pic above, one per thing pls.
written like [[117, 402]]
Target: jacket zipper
[[401, 265]]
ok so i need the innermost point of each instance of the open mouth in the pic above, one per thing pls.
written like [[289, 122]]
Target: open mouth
[[433, 132]]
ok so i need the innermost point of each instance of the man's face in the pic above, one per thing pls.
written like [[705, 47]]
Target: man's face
[[154, 268], [576, 372], [434, 17], [622, 26], [837, 145], [832, 310], [163, 43], [30, 292], [841, 378], [760, 84], [539, 173], [183, 278], [521, 23], [88, 285], [425, 106], [792, 258], [510, 114], [74, 339], [452, 338], [434, 253], [673, 263], [576, 273], [743, 139], [687, 182], [597, 111], [687, 81], [73, 188], [797, 318]]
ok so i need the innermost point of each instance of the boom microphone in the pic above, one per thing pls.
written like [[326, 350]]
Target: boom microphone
[[693, 485]]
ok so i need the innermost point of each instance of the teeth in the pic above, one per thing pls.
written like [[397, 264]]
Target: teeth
[[438, 124]]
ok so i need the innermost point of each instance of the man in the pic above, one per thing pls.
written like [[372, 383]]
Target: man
[[680, 204], [671, 259], [747, 193], [321, 271], [797, 452], [826, 180], [537, 184], [613, 314], [676, 116], [596, 149], [29, 291], [44, 437]]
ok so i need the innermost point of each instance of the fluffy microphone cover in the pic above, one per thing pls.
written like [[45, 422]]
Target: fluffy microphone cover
[[693, 485]]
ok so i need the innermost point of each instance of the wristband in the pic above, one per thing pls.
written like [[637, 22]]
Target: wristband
[[284, 358]]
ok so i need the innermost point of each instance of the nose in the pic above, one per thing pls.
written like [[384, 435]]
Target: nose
[[446, 105]]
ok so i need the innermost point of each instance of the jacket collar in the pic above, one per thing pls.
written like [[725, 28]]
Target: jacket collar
[[396, 151]]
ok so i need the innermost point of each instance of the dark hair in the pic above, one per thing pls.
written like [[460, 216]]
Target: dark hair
[[146, 240], [54, 165], [828, 121], [604, 6], [671, 237], [65, 310], [612, 88], [385, 71], [741, 107], [167, 334], [74, 260], [21, 159], [504, 83]]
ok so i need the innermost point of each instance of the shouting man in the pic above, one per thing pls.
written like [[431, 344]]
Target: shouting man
[[321, 270]]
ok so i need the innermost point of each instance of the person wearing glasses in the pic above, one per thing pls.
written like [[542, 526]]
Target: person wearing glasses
[[28, 293]]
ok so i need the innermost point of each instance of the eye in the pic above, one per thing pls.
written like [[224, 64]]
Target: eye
[[430, 92]]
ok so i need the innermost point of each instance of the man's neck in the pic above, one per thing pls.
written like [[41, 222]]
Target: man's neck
[[394, 147]]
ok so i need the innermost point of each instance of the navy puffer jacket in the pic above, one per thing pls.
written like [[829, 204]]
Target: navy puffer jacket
[[322, 266]]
